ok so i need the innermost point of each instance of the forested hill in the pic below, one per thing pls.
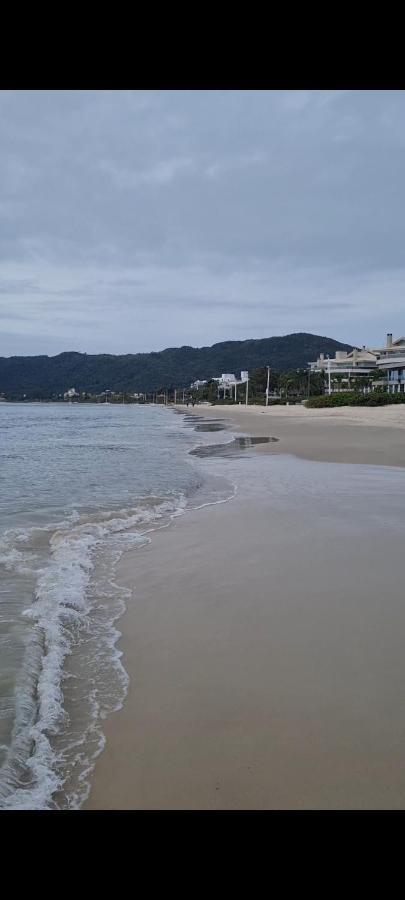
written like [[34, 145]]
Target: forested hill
[[46, 376]]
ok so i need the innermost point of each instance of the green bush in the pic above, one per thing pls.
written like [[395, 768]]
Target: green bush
[[350, 398]]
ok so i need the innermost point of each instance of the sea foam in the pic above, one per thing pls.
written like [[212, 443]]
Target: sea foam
[[75, 606]]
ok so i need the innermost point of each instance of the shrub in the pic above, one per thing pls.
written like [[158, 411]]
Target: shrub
[[350, 398]]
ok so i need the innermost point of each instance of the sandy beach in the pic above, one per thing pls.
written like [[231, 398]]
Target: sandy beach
[[264, 636], [327, 435]]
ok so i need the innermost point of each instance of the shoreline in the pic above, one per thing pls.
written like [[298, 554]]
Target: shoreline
[[353, 435], [240, 696]]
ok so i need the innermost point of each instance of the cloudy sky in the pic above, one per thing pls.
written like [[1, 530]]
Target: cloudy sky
[[132, 221]]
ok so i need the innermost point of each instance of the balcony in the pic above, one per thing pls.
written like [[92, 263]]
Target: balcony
[[395, 361]]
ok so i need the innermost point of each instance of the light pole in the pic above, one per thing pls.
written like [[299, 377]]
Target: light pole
[[247, 387], [309, 382], [329, 384], [268, 384]]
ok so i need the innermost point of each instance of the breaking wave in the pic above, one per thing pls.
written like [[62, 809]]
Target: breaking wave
[[71, 676]]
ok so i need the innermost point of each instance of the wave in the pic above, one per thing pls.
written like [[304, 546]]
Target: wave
[[71, 676], [70, 620]]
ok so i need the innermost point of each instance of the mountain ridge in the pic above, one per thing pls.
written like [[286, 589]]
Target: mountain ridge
[[47, 376]]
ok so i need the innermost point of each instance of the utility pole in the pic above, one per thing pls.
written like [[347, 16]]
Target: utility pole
[[175, 396], [329, 384], [268, 383], [247, 387], [309, 381]]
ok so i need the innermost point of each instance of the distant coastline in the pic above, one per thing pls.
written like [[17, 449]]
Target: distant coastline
[[49, 377]]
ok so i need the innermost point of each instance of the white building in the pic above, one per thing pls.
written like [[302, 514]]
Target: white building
[[226, 378], [228, 382], [388, 360], [391, 348], [70, 394], [392, 364], [197, 384], [344, 368]]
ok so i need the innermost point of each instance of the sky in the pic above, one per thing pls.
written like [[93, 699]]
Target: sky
[[137, 220]]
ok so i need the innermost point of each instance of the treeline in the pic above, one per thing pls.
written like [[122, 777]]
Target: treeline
[[291, 386], [48, 377], [356, 398]]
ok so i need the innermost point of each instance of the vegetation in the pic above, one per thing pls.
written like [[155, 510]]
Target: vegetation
[[48, 377], [284, 387], [354, 398]]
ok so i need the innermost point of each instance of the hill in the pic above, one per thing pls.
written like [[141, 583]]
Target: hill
[[47, 376]]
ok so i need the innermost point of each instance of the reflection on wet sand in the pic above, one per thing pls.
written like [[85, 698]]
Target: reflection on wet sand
[[200, 423], [233, 448], [211, 426]]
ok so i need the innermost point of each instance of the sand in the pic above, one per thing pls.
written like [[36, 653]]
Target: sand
[[265, 652], [326, 435]]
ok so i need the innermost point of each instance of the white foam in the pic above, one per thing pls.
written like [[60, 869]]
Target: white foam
[[77, 601], [60, 616]]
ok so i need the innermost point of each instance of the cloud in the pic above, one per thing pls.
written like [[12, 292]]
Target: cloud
[[162, 173], [235, 163], [133, 220]]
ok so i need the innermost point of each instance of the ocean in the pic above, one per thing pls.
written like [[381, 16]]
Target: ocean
[[79, 486]]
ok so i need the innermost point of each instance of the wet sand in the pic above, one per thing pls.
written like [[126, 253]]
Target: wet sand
[[265, 647], [373, 436]]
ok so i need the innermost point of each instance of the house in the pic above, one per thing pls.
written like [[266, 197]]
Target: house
[[70, 394], [228, 382], [391, 348], [392, 364], [344, 368], [226, 378]]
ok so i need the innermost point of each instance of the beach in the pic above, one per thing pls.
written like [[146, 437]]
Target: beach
[[264, 635], [368, 436]]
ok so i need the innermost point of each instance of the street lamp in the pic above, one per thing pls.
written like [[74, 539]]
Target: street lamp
[[268, 383]]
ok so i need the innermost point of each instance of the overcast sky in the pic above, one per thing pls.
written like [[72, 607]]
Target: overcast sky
[[132, 221]]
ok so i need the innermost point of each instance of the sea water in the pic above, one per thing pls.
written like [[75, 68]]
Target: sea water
[[79, 485], [82, 484]]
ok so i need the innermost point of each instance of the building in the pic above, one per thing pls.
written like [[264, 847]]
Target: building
[[226, 378], [196, 385], [229, 383], [391, 348], [345, 368], [70, 394], [392, 364]]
